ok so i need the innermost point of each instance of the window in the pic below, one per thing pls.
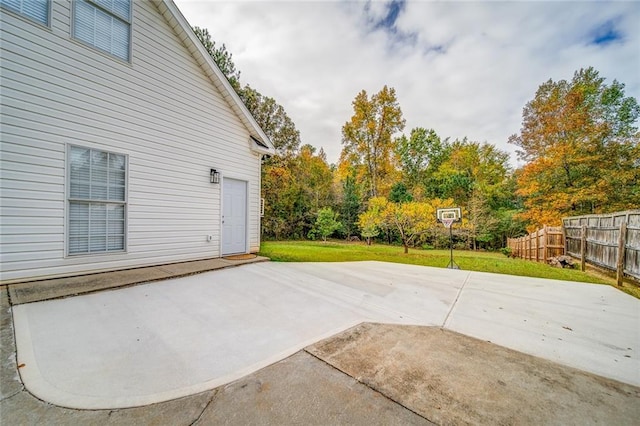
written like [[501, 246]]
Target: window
[[104, 24], [38, 10], [97, 201]]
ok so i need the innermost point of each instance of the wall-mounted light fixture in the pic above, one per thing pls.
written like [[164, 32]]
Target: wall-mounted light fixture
[[214, 176]]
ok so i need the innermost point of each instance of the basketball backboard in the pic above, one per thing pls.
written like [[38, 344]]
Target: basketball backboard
[[454, 213]]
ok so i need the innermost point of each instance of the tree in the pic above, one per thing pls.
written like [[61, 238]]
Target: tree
[[273, 120], [350, 206], [399, 193], [295, 187], [221, 56], [314, 177], [326, 224], [281, 191], [411, 219], [477, 176], [367, 136], [371, 220], [470, 165], [581, 144], [510, 225], [483, 221], [368, 226], [419, 155]]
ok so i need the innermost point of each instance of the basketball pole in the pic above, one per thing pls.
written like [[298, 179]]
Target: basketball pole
[[448, 216], [452, 264]]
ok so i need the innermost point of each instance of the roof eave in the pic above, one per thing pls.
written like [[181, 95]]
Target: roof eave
[[262, 151]]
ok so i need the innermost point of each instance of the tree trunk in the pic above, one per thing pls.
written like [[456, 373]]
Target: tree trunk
[[406, 248]]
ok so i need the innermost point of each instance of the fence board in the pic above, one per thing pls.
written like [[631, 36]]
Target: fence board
[[604, 241], [540, 246]]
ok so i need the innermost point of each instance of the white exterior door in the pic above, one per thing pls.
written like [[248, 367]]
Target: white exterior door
[[234, 216]]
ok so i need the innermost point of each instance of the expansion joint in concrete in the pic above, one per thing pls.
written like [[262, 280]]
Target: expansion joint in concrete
[[6, 289], [453, 305]]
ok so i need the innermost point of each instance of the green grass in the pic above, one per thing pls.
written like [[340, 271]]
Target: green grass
[[332, 251]]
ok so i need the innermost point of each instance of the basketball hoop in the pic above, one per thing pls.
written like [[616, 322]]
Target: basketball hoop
[[448, 217], [447, 222]]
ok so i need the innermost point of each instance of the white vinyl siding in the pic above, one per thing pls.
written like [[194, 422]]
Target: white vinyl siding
[[104, 24], [56, 93], [97, 192], [37, 10]]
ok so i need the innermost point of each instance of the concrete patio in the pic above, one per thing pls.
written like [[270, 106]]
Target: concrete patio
[[185, 337]]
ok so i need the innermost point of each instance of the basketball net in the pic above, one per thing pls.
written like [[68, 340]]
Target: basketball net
[[447, 222]]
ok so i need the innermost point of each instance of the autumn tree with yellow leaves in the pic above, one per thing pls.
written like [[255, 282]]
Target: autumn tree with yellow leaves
[[581, 147], [411, 219], [367, 139]]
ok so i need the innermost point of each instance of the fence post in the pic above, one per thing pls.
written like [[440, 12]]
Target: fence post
[[583, 246], [545, 251], [621, 248]]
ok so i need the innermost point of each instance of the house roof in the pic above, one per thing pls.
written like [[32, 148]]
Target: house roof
[[259, 141]]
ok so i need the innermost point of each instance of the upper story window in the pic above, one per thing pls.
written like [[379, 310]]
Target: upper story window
[[37, 10], [104, 24]]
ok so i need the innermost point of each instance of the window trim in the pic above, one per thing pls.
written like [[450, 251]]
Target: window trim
[[69, 200], [128, 21], [21, 15]]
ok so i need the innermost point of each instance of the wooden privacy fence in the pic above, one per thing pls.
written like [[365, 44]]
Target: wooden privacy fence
[[540, 245], [611, 241]]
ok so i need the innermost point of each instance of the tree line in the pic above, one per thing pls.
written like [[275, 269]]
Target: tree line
[[579, 143]]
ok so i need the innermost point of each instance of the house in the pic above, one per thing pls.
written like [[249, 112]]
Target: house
[[123, 144]]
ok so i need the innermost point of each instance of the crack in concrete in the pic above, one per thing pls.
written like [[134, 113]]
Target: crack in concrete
[[6, 398], [206, 407], [368, 386], [11, 349]]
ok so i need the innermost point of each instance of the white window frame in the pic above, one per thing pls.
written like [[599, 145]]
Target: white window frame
[[70, 200], [20, 12], [127, 20]]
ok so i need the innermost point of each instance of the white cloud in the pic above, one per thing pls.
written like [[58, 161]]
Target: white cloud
[[464, 69]]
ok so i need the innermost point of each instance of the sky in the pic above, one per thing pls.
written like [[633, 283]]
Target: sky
[[460, 68]]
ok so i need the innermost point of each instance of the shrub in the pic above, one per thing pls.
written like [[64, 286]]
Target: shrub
[[326, 224]]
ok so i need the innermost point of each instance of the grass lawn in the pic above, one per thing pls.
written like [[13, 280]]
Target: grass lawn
[[339, 251]]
